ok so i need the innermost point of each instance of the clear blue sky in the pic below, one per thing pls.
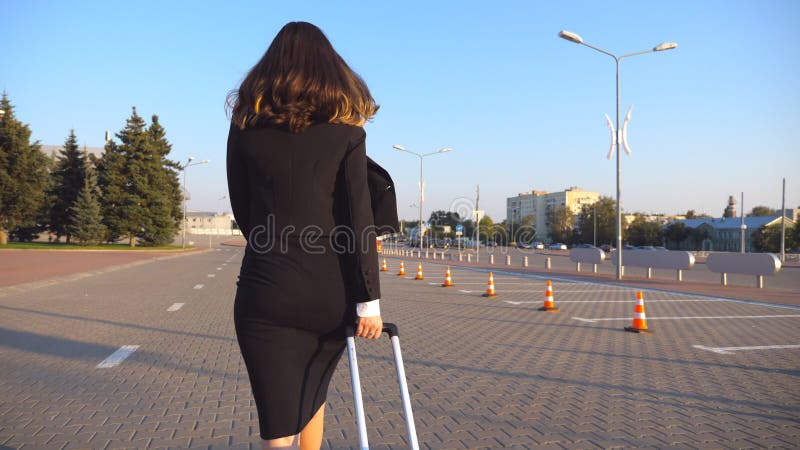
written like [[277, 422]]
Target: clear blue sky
[[521, 108]]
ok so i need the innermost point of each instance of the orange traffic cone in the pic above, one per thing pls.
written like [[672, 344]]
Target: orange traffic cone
[[549, 303], [402, 272], [448, 281], [490, 287], [639, 317], [419, 272], [384, 268]]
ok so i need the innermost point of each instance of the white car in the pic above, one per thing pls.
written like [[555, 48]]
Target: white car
[[558, 246]]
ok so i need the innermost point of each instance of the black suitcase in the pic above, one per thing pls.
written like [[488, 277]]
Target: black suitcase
[[391, 330]]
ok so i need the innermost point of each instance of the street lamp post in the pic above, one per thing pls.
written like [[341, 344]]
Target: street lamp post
[[573, 37], [185, 220], [594, 216], [421, 187], [511, 240]]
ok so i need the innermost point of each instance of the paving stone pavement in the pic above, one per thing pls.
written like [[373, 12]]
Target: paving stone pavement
[[483, 373]]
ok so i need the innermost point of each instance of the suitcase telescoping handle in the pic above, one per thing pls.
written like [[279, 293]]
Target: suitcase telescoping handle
[[394, 335]]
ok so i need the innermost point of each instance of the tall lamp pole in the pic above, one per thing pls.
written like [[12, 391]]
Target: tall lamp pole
[[421, 187], [573, 37], [185, 220]]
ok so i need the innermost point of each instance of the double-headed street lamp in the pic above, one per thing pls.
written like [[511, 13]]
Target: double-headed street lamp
[[421, 185], [185, 191], [572, 37]]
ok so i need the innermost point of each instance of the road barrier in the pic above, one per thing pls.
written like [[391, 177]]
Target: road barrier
[[592, 256], [758, 264], [656, 259]]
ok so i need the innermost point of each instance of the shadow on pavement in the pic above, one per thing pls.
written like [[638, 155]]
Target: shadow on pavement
[[115, 323]]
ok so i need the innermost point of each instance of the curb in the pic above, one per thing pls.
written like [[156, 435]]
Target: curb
[[29, 286]]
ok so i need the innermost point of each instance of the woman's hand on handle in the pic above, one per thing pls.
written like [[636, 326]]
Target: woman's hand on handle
[[369, 327]]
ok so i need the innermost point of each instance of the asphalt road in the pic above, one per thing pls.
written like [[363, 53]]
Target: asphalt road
[[483, 373]]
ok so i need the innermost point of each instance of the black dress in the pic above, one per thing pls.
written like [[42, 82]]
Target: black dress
[[303, 203]]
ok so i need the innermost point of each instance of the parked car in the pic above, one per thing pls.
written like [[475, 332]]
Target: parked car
[[538, 245], [584, 246], [523, 245], [558, 246]]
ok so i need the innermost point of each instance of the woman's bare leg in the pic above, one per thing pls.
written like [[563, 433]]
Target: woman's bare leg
[[311, 435], [288, 443]]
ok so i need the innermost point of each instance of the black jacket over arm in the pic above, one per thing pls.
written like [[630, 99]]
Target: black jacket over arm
[[317, 180]]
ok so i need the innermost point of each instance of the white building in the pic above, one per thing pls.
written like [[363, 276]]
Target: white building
[[536, 203], [204, 222]]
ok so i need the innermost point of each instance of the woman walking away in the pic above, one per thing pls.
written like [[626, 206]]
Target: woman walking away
[[297, 179]]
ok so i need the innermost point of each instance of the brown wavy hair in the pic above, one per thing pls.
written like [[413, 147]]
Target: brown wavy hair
[[300, 80]]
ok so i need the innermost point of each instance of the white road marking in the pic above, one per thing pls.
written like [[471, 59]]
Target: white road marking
[[219, 268], [584, 320], [212, 275], [175, 307], [117, 357], [504, 283], [224, 264], [589, 290], [198, 286], [775, 316], [466, 292], [686, 300], [731, 350]]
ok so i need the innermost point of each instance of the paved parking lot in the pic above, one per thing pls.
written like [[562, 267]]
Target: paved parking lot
[[483, 373]]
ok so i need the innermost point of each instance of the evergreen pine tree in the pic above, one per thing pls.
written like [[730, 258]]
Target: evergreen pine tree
[[162, 195], [112, 182], [85, 219], [126, 214], [141, 194], [23, 176], [67, 181]]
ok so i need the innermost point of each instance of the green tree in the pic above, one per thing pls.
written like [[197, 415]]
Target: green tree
[[606, 208], [768, 239], [675, 234], [643, 232], [795, 232], [696, 236], [445, 218], [111, 178], [141, 192], [162, 195], [500, 233], [559, 223], [485, 229], [762, 211], [469, 228], [66, 183], [525, 231], [691, 214], [23, 176], [85, 218]]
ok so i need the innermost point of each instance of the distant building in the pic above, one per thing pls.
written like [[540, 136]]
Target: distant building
[[53, 150], [536, 203], [791, 213], [725, 233], [730, 210], [203, 222]]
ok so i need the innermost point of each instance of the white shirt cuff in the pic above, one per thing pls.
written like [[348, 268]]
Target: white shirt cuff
[[369, 309]]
